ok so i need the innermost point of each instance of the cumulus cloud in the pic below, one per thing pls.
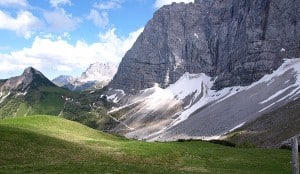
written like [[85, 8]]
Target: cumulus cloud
[[25, 23], [13, 3], [56, 3], [109, 4], [55, 53], [59, 21], [160, 3], [99, 19]]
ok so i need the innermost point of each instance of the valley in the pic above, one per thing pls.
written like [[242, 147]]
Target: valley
[[207, 87]]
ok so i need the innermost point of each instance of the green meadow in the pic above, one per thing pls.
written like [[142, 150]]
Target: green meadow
[[49, 144]]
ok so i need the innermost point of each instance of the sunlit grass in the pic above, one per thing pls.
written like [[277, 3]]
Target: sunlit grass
[[48, 144]]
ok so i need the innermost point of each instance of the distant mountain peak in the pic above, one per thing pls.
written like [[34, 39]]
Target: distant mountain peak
[[99, 72], [63, 79], [31, 70], [30, 78], [97, 75]]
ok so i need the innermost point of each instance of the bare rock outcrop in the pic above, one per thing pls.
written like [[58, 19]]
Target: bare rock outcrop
[[235, 41]]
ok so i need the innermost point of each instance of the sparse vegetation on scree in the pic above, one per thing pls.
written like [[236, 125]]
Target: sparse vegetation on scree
[[47, 144]]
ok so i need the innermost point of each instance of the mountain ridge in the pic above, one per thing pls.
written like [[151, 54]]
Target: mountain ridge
[[238, 59], [22, 82]]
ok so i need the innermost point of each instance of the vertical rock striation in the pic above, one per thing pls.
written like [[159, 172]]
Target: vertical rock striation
[[234, 41]]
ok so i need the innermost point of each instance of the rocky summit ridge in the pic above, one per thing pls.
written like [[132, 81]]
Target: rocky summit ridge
[[234, 41], [30, 78]]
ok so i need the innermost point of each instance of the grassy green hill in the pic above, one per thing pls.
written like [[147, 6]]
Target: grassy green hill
[[47, 144], [46, 100], [52, 100]]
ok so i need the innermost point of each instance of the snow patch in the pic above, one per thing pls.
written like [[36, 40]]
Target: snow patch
[[159, 98], [196, 35], [117, 96], [265, 108], [21, 93], [189, 84], [236, 127], [4, 97], [278, 93], [113, 98], [119, 108]]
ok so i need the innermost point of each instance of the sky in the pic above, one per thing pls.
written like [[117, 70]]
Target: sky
[[63, 37]]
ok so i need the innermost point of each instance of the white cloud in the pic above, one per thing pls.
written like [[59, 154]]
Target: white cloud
[[99, 19], [117, 46], [63, 68], [56, 3], [160, 3], [109, 4], [25, 23], [13, 3], [57, 55], [59, 21]]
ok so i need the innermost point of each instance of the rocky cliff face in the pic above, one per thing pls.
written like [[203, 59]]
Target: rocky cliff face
[[234, 41]]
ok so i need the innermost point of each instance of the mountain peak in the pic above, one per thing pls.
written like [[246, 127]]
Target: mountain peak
[[97, 75], [99, 72], [31, 74], [30, 78], [32, 71]]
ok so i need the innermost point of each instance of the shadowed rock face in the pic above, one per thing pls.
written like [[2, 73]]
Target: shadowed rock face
[[31, 78], [235, 41]]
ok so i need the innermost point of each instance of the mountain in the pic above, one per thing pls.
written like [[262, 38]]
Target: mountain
[[32, 93], [202, 70], [96, 76], [30, 79], [63, 80], [237, 42], [99, 72]]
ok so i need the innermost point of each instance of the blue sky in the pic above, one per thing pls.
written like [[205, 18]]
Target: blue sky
[[65, 36]]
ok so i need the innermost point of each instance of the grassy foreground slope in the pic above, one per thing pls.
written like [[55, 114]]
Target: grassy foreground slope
[[47, 144]]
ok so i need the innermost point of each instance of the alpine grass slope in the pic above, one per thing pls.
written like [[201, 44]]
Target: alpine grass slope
[[49, 144]]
